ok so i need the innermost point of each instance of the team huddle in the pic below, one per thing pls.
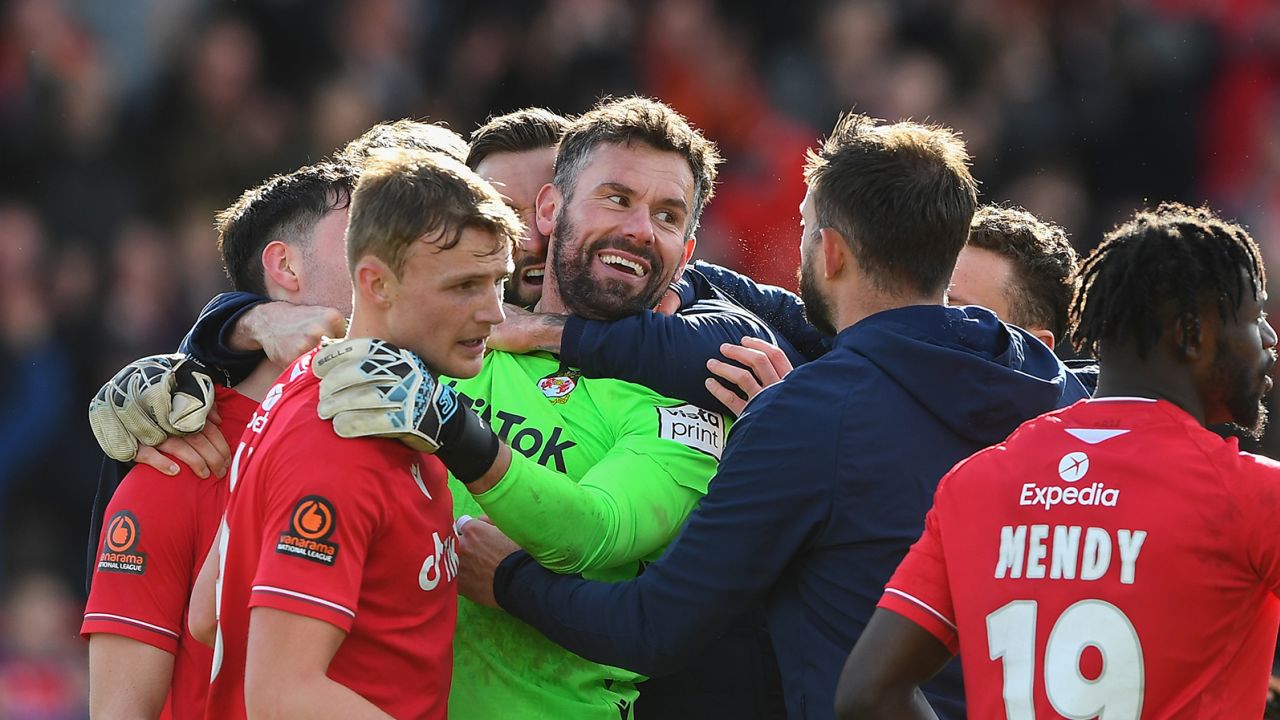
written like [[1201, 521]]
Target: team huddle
[[474, 436]]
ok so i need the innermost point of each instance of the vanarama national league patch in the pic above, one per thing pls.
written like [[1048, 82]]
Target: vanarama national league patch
[[310, 525], [120, 552]]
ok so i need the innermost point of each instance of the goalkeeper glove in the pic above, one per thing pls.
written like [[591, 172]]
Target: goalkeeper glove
[[149, 400], [371, 388]]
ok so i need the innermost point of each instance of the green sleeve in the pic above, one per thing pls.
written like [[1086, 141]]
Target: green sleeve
[[627, 507]]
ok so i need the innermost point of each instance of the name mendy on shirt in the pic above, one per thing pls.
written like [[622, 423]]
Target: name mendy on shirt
[[1074, 552]]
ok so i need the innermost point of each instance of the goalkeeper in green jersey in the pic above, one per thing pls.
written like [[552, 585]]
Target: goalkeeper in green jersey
[[604, 471]]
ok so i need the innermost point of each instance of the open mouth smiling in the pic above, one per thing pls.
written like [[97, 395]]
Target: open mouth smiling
[[623, 264]]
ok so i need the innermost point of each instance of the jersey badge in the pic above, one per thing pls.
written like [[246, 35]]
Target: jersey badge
[[692, 427], [558, 385], [120, 552], [416, 473], [310, 525]]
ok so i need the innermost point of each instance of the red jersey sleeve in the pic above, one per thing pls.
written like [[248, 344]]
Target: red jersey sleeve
[[147, 556], [1258, 490], [321, 512], [919, 589]]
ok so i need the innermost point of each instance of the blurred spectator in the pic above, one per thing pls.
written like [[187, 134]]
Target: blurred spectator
[[44, 671]]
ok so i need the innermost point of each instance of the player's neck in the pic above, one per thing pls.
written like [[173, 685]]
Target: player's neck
[[551, 301], [369, 323], [256, 385], [1145, 381], [856, 302]]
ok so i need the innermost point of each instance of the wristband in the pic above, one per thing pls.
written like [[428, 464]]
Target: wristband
[[468, 447]]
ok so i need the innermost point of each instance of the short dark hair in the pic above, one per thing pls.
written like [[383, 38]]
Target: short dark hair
[[644, 120], [1159, 266], [520, 131], [406, 195], [408, 134], [286, 208], [900, 193], [1044, 264]]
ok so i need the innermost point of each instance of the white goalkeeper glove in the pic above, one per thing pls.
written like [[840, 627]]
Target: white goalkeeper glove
[[149, 400], [371, 388]]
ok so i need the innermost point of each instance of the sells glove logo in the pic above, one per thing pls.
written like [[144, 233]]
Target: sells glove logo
[[119, 547], [310, 526], [557, 386]]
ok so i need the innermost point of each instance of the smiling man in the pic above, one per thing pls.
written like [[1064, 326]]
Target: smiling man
[[517, 153], [603, 471]]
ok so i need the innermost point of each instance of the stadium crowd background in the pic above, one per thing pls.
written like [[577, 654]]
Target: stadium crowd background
[[124, 125]]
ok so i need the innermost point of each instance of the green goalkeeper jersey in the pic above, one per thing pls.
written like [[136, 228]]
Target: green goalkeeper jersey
[[603, 475]]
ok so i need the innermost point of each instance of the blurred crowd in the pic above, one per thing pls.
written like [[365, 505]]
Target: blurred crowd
[[125, 125]]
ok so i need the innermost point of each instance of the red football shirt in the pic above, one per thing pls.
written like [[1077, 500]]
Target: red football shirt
[[1112, 555], [355, 532], [155, 538]]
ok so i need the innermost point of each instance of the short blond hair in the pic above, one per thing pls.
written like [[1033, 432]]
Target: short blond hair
[[407, 195]]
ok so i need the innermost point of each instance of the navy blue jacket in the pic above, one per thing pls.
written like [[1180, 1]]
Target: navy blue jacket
[[667, 354], [782, 309], [823, 487]]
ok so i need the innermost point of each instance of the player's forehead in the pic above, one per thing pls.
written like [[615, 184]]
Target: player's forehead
[[479, 253]]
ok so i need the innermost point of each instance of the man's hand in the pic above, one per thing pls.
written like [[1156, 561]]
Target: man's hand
[[767, 363], [525, 331], [205, 452], [148, 401], [371, 388], [285, 331], [482, 548]]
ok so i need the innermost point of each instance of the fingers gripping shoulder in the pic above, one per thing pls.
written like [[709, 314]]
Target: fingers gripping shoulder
[[149, 400], [371, 388]]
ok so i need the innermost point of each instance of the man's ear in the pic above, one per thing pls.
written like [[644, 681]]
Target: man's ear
[[280, 261], [834, 251], [548, 206], [375, 281], [684, 258], [1191, 336], [1044, 336]]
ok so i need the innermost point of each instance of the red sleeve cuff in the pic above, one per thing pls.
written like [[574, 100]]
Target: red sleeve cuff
[[156, 636], [920, 613], [299, 603]]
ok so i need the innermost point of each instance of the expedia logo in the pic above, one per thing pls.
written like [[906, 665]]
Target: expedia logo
[[1048, 496], [310, 526], [1071, 468], [119, 546]]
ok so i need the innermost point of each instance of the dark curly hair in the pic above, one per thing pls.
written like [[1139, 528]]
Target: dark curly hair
[[1163, 264]]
